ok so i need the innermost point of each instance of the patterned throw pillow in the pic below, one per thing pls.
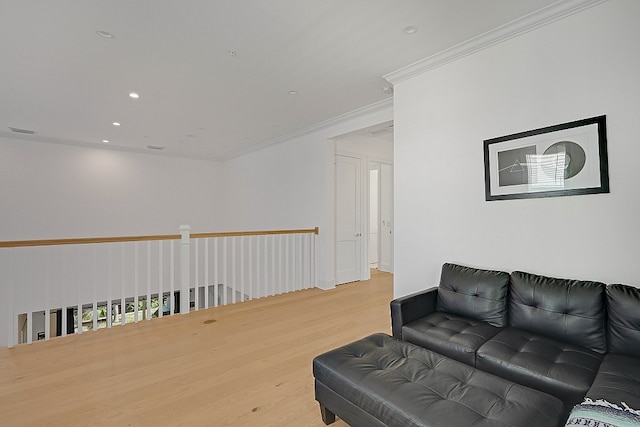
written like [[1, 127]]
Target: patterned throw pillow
[[600, 413]]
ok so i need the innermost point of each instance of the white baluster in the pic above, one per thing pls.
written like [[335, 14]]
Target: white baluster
[[252, 240], [172, 277], [109, 283], [184, 268], [123, 301], [206, 273], [47, 295], [242, 275], [216, 264], [79, 292], [160, 283], [196, 287], [94, 285], [232, 284], [225, 282]]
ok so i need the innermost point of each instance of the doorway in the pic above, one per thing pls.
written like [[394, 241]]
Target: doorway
[[364, 203], [381, 216]]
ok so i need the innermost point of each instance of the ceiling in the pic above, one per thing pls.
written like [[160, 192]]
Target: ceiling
[[215, 78]]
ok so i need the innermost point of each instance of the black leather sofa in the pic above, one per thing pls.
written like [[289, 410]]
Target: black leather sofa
[[489, 348], [568, 338]]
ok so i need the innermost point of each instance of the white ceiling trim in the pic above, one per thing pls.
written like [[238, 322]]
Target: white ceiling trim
[[103, 146], [542, 17], [335, 121]]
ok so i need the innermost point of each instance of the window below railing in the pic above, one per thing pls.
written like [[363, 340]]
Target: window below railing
[[58, 287]]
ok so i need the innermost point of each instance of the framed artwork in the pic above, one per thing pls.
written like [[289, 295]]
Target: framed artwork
[[561, 160]]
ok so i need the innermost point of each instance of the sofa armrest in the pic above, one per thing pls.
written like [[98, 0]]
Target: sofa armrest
[[411, 307]]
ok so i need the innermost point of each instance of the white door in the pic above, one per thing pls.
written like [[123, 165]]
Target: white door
[[348, 222]]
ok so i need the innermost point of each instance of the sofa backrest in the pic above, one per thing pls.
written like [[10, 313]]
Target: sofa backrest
[[571, 311], [623, 327], [473, 293]]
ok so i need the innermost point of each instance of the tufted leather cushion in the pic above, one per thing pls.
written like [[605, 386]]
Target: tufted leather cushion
[[403, 385], [571, 311], [473, 293], [617, 381], [552, 366], [623, 329], [454, 336]]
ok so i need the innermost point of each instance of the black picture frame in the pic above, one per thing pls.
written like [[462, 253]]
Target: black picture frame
[[562, 160]]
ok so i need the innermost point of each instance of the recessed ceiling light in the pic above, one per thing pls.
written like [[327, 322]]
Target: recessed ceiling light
[[116, 123], [105, 34], [134, 95], [106, 141], [387, 89], [410, 29], [293, 92]]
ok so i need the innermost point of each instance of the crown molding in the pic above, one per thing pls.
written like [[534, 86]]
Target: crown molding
[[98, 146], [360, 112], [554, 12]]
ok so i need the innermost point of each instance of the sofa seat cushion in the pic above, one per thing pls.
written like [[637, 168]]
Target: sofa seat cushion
[[617, 381], [561, 369], [400, 384], [454, 336]]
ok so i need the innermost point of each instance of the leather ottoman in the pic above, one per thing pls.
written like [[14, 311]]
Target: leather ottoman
[[379, 381]]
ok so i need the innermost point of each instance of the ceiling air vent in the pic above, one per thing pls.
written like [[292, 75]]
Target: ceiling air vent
[[25, 131]]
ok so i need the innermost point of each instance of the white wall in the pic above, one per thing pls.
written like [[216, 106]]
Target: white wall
[[291, 185], [60, 191], [579, 67]]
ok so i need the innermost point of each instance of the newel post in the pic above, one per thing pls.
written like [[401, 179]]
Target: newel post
[[185, 262]]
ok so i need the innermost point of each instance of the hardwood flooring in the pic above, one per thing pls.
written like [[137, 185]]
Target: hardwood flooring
[[245, 364]]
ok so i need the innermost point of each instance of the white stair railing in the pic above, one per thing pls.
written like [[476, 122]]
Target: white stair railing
[[53, 288]]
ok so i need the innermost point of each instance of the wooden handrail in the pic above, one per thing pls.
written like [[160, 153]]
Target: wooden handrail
[[255, 233], [88, 240]]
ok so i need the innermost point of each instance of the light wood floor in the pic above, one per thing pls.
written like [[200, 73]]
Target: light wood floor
[[250, 367]]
